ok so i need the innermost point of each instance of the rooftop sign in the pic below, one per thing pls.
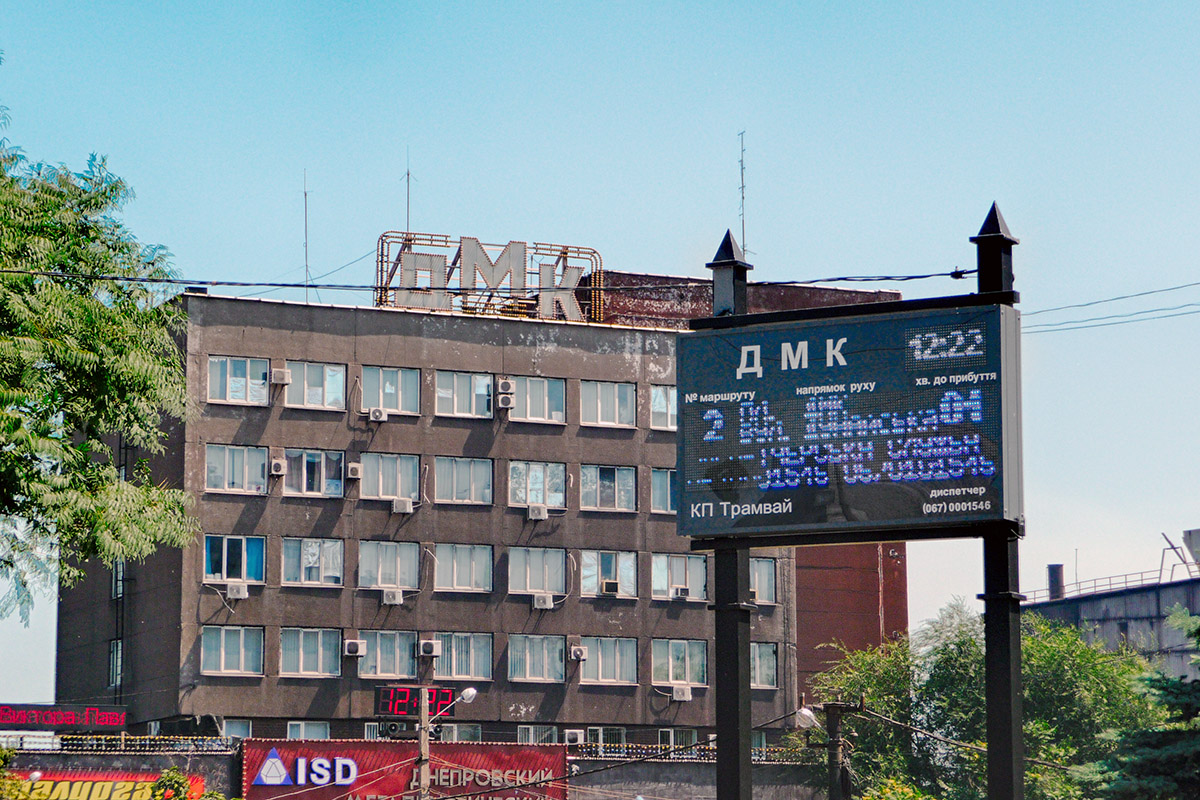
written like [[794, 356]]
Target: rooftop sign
[[62, 718], [439, 273], [906, 420]]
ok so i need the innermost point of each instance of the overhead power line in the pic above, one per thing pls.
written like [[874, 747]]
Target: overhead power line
[[1113, 299]]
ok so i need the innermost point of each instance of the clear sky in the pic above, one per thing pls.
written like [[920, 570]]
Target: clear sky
[[877, 136]]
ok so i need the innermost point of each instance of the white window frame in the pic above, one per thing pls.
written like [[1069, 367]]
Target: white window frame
[[406, 399], [661, 483], [249, 368], [244, 666], [405, 467], [525, 490], [116, 587], [697, 588], [406, 560], [307, 729], [331, 562], [451, 470], [371, 731], [116, 663], [529, 388], [531, 570], [596, 655], [402, 645], [450, 388], [621, 398], [226, 723], [599, 736], [537, 734], [759, 652], [671, 738], [333, 395], [759, 568], [664, 413], [324, 468], [447, 558], [461, 732], [695, 653], [597, 558], [329, 650], [625, 477], [479, 667], [226, 453], [225, 576], [526, 651]]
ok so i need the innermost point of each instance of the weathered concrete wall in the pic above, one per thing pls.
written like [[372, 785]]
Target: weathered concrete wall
[[691, 781]]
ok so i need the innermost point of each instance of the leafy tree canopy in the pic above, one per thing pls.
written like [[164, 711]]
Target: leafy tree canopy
[[87, 358]]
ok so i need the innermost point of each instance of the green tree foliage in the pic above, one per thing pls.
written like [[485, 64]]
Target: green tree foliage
[[1160, 762], [1075, 693], [85, 361], [173, 784]]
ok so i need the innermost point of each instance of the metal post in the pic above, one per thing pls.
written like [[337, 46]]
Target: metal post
[[833, 729], [732, 685], [1002, 666], [423, 745]]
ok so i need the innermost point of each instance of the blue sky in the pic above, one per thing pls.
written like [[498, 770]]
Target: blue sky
[[877, 136]]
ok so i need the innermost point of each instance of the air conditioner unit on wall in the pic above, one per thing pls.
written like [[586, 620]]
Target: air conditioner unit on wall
[[353, 471], [505, 401], [354, 648], [681, 694], [579, 652], [377, 414], [281, 377], [679, 593], [402, 505], [393, 597], [505, 385], [545, 602], [609, 587], [537, 511], [574, 736], [237, 591], [279, 467], [429, 648]]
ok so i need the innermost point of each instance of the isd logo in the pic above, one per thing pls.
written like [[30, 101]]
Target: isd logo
[[318, 772]]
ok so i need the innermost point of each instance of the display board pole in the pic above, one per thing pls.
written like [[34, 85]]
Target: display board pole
[[423, 746], [1002, 665], [731, 584]]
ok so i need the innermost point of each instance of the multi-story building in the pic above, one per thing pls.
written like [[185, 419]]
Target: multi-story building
[[399, 496]]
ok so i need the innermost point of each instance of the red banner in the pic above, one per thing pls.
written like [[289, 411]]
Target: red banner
[[378, 769], [94, 784]]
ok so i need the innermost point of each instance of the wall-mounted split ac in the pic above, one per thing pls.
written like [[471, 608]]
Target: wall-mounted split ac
[[578, 652], [429, 648], [393, 597], [679, 593], [505, 385], [609, 587], [237, 591], [279, 467], [574, 736], [354, 471], [505, 401], [354, 648], [681, 694], [537, 511], [281, 377], [543, 602], [402, 505], [377, 414]]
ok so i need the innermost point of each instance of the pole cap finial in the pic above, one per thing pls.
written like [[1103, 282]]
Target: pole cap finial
[[994, 227], [728, 254]]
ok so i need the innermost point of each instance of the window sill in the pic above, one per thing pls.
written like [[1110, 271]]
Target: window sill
[[238, 403], [391, 412], [542, 681], [460, 503], [633, 684], [525, 421], [309, 676], [665, 430], [620, 426], [242, 492], [608, 510], [289, 585], [600, 596], [226, 581], [206, 673], [662, 599], [671, 685], [341, 410], [662, 513], [464, 416], [387, 677]]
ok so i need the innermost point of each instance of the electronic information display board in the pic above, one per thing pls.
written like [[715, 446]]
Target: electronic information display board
[[857, 423]]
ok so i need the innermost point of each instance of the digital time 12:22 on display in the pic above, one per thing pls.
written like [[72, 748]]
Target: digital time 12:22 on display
[[405, 701]]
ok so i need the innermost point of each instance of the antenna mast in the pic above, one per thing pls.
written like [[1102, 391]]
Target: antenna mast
[[407, 192], [306, 273], [742, 169]]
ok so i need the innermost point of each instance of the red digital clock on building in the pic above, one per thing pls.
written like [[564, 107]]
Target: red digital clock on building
[[405, 701]]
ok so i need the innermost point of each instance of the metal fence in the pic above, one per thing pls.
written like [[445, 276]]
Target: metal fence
[[654, 752], [119, 744], [1167, 573]]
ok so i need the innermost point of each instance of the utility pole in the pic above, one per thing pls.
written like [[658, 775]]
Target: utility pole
[[839, 778], [423, 745]]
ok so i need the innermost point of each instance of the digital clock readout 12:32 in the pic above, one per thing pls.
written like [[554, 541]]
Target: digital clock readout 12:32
[[405, 701]]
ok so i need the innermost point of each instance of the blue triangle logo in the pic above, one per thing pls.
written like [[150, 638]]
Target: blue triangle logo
[[273, 772]]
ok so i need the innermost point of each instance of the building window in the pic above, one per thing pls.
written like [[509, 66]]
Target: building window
[[677, 739], [116, 666], [678, 577], [116, 588], [536, 658], [609, 660], [385, 476], [539, 400], [461, 732], [662, 491], [396, 390], [316, 386], [608, 741], [608, 572], [462, 480], [238, 380], [464, 655], [234, 558], [390, 565], [371, 730], [537, 483], [311, 652], [758, 740], [762, 580], [237, 651], [314, 472], [306, 729], [236, 469], [463, 394], [535, 569], [312, 561], [537, 734], [390, 654], [762, 665], [237, 728], [607, 488], [607, 404], [463, 568], [680, 661], [662, 408]]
